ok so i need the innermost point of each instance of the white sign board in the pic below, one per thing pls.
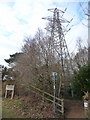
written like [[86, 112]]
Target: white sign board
[[85, 104], [9, 87], [54, 75]]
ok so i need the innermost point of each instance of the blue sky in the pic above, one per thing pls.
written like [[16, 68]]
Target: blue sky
[[20, 18]]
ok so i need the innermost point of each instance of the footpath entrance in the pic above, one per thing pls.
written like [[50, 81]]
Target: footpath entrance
[[74, 109]]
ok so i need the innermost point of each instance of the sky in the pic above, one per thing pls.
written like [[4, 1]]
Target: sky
[[21, 18]]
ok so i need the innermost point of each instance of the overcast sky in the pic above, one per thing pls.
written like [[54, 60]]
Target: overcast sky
[[20, 18]]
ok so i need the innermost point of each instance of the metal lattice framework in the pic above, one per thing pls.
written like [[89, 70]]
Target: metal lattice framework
[[58, 44]]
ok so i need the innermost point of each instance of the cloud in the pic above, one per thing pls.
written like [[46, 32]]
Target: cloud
[[20, 18]]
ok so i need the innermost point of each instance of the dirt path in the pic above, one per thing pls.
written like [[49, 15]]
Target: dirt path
[[74, 109]]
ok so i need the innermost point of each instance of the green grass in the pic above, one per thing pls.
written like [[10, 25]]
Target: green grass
[[12, 108]]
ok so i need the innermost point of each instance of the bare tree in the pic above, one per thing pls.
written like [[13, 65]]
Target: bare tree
[[81, 57], [36, 64]]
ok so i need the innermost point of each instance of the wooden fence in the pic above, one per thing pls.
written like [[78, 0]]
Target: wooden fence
[[59, 103]]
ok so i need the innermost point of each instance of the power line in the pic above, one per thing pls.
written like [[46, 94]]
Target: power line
[[58, 46]]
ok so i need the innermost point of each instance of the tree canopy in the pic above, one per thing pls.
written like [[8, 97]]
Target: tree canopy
[[12, 58]]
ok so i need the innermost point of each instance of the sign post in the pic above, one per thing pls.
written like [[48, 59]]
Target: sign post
[[54, 78]]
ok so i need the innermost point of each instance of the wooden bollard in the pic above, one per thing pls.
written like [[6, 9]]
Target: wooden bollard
[[86, 108], [86, 104]]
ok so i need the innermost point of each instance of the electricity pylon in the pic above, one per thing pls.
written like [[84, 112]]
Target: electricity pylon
[[58, 44]]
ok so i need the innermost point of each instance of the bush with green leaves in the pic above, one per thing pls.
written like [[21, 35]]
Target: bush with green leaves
[[82, 80]]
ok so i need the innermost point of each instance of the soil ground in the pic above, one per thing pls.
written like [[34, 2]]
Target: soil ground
[[75, 109]]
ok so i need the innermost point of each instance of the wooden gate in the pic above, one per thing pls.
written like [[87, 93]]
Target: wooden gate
[[59, 103]]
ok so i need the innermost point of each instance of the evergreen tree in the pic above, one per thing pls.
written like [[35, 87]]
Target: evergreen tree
[[82, 80]]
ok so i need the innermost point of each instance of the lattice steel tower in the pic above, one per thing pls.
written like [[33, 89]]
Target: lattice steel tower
[[58, 44]]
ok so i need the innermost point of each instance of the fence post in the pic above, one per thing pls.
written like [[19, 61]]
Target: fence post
[[62, 102], [43, 100]]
